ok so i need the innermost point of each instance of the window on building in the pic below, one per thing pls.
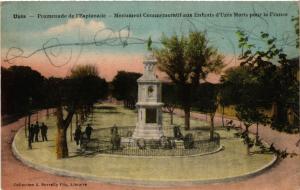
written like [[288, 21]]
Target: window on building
[[150, 115]]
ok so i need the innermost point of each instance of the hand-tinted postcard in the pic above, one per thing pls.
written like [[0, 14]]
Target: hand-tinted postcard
[[150, 95]]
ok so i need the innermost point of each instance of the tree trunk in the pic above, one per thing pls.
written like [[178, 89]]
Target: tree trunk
[[279, 115], [246, 128], [212, 126], [28, 125], [171, 117], [290, 116], [61, 144], [29, 122], [71, 131], [25, 121], [222, 116], [274, 111], [247, 136], [61, 137], [187, 117]]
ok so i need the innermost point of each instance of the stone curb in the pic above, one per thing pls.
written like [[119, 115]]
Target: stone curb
[[132, 182]]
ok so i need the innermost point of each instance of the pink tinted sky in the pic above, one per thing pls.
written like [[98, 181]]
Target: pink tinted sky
[[108, 64]]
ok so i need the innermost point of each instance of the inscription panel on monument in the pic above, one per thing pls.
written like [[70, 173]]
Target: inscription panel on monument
[[150, 115]]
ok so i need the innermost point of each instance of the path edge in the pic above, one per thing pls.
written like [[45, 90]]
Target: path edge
[[132, 182]]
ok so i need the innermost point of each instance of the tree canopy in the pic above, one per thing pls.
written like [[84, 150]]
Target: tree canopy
[[275, 73], [186, 60], [79, 91], [18, 85], [125, 87]]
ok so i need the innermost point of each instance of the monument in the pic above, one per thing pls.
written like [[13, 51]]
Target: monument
[[149, 105]]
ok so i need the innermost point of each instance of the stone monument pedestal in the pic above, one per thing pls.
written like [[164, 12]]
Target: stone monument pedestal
[[149, 105]]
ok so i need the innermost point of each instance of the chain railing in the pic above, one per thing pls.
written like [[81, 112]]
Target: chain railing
[[199, 143]]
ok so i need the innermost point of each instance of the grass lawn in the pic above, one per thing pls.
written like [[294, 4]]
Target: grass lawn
[[230, 162]]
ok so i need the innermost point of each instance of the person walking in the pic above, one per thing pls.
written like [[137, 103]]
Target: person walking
[[30, 136], [31, 133], [88, 131], [37, 131], [77, 135], [44, 130]]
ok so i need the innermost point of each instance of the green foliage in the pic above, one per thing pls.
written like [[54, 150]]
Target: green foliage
[[169, 98], [249, 142], [186, 60], [83, 87], [124, 87], [169, 91], [243, 89], [275, 74], [206, 100], [18, 85], [83, 71], [246, 93]]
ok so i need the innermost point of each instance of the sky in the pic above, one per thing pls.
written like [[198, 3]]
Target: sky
[[54, 45]]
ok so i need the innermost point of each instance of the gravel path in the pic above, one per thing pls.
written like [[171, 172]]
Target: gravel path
[[284, 176]]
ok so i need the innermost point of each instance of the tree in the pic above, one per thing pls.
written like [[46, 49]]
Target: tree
[[244, 88], [275, 72], [125, 87], [224, 97], [170, 101], [18, 84], [186, 60], [78, 91], [207, 102]]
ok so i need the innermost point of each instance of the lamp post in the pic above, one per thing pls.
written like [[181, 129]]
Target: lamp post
[[29, 116]]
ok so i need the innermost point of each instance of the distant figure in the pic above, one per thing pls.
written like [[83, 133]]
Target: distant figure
[[115, 138], [31, 133], [88, 131], [77, 136], [177, 133], [36, 131], [44, 130]]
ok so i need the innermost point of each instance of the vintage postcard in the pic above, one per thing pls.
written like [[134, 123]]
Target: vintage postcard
[[150, 95]]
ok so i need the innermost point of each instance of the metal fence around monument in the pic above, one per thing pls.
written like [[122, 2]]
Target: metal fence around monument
[[103, 144]]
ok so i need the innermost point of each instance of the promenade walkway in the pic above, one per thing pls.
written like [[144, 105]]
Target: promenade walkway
[[284, 176]]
